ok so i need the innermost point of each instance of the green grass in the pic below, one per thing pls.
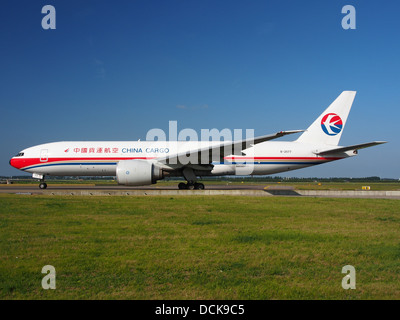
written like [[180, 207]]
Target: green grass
[[198, 247]]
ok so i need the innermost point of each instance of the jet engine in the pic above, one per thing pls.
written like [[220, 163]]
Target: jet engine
[[138, 172]]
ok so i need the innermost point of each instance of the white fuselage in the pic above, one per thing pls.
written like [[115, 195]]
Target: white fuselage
[[100, 158]]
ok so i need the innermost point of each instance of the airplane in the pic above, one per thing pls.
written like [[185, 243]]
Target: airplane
[[139, 163]]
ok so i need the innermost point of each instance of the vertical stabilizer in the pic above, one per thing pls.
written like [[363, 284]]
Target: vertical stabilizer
[[328, 127]]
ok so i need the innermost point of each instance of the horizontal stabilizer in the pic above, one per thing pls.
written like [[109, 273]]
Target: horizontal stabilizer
[[354, 147]]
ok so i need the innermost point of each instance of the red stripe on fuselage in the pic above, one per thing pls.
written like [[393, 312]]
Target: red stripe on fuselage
[[27, 162]]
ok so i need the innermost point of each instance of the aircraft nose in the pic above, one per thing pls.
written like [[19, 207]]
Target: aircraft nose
[[17, 162], [13, 163]]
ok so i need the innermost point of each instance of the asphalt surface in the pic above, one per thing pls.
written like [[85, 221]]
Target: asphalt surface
[[13, 188], [247, 190]]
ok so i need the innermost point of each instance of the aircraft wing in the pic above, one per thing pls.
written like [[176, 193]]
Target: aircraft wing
[[217, 152], [354, 147]]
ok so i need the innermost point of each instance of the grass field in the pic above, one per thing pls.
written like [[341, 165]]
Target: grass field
[[198, 247]]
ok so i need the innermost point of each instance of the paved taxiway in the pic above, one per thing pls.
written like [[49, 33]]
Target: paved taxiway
[[236, 190]]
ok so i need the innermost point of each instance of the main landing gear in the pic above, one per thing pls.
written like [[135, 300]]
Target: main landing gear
[[191, 181], [190, 185]]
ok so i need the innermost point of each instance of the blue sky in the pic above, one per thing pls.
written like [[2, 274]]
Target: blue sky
[[112, 70]]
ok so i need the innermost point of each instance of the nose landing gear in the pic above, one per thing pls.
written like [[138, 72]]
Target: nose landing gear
[[43, 185]]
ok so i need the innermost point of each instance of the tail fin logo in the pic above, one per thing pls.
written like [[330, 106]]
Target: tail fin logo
[[331, 124]]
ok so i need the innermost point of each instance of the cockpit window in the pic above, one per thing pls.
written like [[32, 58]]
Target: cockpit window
[[21, 154]]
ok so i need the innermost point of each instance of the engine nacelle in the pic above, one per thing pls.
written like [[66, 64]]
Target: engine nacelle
[[138, 172]]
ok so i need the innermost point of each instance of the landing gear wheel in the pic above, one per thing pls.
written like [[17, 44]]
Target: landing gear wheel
[[190, 186], [43, 185], [199, 186], [182, 186]]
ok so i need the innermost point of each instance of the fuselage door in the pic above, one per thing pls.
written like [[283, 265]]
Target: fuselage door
[[43, 155]]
